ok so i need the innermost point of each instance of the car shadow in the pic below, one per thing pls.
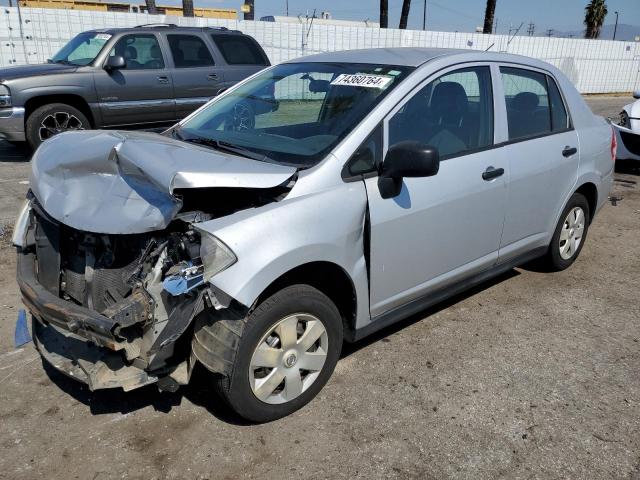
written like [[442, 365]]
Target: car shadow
[[200, 390], [14, 153], [381, 335], [629, 167]]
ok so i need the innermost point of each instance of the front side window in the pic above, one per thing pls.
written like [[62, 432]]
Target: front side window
[[140, 52], [294, 113], [81, 49], [454, 113], [238, 50], [532, 107], [189, 51]]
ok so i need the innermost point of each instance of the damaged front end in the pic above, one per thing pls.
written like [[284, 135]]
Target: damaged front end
[[117, 309]]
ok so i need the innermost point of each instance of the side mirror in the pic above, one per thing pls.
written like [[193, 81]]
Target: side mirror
[[114, 63], [407, 159], [636, 94]]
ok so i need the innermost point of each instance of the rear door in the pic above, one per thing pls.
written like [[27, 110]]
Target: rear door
[[242, 54], [196, 75], [543, 153], [142, 91]]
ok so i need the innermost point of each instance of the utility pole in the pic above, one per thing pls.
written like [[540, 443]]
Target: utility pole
[[550, 32], [495, 27], [615, 28], [532, 29], [424, 16], [287, 7]]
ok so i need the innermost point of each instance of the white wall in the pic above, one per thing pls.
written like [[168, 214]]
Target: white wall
[[594, 66]]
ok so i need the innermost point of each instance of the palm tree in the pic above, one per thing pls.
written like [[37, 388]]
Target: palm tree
[[404, 16], [151, 7], [594, 14], [250, 14], [488, 16], [187, 8], [384, 13]]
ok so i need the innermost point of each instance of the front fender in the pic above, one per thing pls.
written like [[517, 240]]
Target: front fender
[[273, 239]]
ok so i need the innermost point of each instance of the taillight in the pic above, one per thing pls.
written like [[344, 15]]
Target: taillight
[[614, 144]]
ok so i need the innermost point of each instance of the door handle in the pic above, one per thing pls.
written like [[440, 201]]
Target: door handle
[[490, 173], [212, 76], [568, 151], [163, 79]]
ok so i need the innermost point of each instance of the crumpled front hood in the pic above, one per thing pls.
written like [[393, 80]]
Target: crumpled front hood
[[122, 182]]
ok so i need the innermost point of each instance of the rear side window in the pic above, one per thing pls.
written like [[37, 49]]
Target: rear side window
[[534, 104], [189, 51], [559, 117], [239, 50]]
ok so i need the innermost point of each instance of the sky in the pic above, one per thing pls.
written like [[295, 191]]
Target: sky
[[462, 15]]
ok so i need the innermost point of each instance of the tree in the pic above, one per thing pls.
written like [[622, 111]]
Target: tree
[[151, 7], [384, 13], [187, 8], [488, 16], [594, 14], [404, 16], [250, 14]]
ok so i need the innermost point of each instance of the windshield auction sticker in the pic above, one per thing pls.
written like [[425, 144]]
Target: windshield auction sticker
[[362, 80]]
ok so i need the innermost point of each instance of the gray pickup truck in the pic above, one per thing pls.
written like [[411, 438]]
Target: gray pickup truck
[[140, 77]]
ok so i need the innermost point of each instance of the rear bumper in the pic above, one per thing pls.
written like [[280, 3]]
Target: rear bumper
[[12, 124]]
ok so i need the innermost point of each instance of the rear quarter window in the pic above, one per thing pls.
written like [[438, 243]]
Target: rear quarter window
[[239, 50]]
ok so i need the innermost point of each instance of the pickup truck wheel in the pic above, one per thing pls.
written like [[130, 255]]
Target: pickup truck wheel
[[570, 233], [289, 347], [49, 120]]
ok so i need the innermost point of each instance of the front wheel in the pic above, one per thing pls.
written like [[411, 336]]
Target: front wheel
[[287, 351], [570, 233], [49, 120]]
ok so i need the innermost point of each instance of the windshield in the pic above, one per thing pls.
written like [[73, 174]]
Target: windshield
[[81, 49], [294, 113]]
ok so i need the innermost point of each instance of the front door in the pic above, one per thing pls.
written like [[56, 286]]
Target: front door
[[543, 158], [196, 77], [142, 91], [442, 228]]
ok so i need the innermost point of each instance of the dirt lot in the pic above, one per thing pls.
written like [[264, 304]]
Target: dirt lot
[[533, 375]]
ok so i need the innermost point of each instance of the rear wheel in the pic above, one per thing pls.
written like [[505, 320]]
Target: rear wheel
[[570, 234], [287, 351], [49, 120]]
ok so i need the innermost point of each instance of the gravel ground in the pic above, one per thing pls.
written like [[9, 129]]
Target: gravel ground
[[532, 375]]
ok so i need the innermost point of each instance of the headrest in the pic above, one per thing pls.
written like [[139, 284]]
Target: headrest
[[130, 53], [526, 101]]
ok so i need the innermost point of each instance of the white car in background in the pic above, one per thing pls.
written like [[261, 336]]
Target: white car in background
[[628, 130]]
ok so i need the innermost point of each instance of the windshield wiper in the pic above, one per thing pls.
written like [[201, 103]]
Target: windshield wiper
[[224, 147]]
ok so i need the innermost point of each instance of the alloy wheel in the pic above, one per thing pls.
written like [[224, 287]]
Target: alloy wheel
[[571, 233], [58, 122], [288, 359]]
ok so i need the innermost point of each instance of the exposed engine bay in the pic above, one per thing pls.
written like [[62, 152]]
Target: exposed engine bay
[[137, 294]]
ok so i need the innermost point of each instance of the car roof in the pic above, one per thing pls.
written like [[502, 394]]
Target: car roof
[[166, 27], [414, 56]]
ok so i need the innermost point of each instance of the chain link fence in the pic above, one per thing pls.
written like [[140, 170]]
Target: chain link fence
[[594, 66]]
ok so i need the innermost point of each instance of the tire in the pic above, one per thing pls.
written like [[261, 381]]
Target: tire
[[563, 250], [289, 306], [59, 117]]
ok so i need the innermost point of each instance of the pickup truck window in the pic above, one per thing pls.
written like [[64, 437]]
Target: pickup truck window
[[238, 50], [141, 52], [81, 49], [189, 51]]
